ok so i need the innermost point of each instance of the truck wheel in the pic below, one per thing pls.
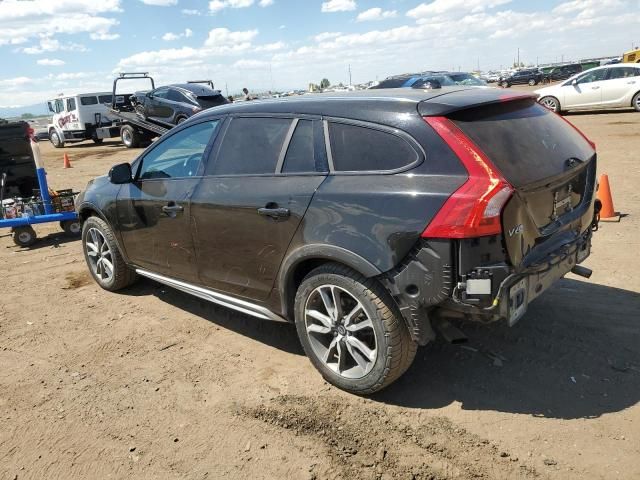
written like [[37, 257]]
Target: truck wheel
[[129, 136], [72, 228], [103, 257], [55, 139], [24, 236], [351, 330]]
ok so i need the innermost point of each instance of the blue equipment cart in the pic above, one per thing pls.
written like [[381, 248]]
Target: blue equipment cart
[[22, 231]]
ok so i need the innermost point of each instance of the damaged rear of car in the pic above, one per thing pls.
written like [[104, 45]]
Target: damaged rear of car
[[521, 221]]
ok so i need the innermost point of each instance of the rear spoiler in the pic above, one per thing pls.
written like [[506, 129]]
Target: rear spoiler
[[448, 103]]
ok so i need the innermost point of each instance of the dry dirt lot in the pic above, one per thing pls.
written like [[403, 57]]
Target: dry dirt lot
[[152, 383]]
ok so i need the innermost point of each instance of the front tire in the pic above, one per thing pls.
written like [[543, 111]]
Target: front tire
[[103, 256], [552, 103], [55, 139], [505, 84], [352, 330], [532, 82], [24, 236], [636, 102]]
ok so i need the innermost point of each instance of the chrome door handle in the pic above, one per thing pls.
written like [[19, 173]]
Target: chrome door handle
[[275, 213], [172, 209], [631, 82], [595, 88]]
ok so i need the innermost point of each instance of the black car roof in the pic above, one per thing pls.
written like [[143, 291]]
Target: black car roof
[[374, 105], [197, 89]]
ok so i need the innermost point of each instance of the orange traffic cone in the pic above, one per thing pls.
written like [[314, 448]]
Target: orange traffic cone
[[67, 163], [607, 213]]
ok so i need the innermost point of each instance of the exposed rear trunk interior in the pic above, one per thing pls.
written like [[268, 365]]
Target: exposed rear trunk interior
[[551, 166]]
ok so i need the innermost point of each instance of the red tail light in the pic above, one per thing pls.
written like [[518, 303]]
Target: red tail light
[[474, 209], [590, 142]]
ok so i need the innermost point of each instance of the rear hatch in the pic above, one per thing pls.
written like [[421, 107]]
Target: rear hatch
[[551, 167], [209, 101]]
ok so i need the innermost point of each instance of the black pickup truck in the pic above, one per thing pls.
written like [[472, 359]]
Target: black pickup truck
[[16, 159]]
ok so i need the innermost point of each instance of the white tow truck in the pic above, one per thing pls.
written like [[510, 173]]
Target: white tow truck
[[77, 117]]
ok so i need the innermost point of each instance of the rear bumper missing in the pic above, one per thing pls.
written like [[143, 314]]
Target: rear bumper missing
[[427, 283]]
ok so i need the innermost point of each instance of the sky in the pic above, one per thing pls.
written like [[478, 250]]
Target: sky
[[48, 47]]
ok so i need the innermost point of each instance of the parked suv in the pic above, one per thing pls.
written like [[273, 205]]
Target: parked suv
[[361, 217], [562, 72], [520, 77]]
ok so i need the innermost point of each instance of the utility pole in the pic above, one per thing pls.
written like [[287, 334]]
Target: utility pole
[[349, 74], [518, 56], [226, 88], [478, 64]]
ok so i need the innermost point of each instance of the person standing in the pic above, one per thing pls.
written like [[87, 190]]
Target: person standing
[[247, 95]]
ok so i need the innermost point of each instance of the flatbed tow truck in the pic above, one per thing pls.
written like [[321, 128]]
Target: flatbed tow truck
[[133, 130]]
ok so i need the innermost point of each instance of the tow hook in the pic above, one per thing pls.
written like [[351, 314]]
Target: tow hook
[[582, 271]]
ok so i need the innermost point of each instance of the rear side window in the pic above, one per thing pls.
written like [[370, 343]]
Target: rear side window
[[176, 96], [251, 146], [89, 100], [623, 72], [523, 139], [355, 148], [300, 155]]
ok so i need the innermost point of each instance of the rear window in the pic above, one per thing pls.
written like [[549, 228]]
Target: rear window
[[89, 100], [392, 83], [523, 139], [355, 148]]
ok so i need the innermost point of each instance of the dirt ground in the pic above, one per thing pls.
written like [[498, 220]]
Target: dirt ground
[[152, 383]]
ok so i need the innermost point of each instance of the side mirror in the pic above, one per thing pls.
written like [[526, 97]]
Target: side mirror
[[120, 174], [574, 81], [150, 95]]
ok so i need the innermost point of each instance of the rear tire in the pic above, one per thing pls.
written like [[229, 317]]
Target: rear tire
[[636, 102], [180, 120], [72, 228], [363, 352], [24, 236], [505, 85], [103, 256], [130, 137]]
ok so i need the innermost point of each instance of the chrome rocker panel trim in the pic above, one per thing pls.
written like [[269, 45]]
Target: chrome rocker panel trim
[[214, 297]]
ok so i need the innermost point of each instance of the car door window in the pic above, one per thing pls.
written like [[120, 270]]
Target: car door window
[[176, 96], [251, 146], [300, 154], [179, 155], [622, 72], [161, 93], [594, 76]]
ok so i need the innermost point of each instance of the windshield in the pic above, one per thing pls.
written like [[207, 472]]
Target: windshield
[[450, 79]]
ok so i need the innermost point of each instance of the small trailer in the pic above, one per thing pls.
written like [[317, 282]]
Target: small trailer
[[22, 205], [127, 124]]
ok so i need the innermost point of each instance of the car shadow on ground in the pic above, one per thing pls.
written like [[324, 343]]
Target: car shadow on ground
[[598, 112], [278, 335], [575, 354]]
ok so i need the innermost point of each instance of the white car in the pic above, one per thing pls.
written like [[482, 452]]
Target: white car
[[608, 86]]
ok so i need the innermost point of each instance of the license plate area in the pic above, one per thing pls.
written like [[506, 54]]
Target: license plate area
[[517, 300]]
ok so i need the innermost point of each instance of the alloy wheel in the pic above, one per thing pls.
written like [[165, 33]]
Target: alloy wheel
[[99, 254], [340, 331], [550, 103]]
